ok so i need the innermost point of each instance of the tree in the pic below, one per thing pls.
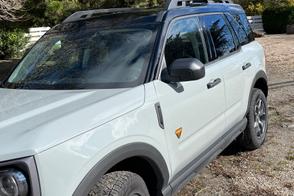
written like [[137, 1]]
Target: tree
[[9, 9], [279, 3]]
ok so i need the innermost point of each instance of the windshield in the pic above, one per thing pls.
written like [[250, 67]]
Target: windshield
[[93, 58]]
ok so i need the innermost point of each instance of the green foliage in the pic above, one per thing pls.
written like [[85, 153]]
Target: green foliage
[[52, 12], [291, 18], [252, 7], [278, 3], [276, 19], [11, 43], [255, 9], [49, 12]]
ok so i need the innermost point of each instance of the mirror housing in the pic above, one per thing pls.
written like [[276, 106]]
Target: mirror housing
[[182, 70]]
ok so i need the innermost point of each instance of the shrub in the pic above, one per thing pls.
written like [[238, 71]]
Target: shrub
[[276, 19], [12, 42], [291, 18], [255, 9], [279, 3]]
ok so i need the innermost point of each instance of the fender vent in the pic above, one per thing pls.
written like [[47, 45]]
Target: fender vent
[[159, 115]]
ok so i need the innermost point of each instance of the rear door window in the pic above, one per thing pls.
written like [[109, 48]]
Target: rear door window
[[222, 37]]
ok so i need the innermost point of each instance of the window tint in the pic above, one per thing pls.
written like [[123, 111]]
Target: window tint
[[184, 41], [238, 29], [221, 35], [242, 20]]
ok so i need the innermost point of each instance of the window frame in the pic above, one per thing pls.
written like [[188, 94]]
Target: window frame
[[228, 14], [235, 39], [162, 60], [207, 46], [250, 39], [238, 49]]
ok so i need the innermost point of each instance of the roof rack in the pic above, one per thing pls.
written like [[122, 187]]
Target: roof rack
[[171, 4], [89, 13]]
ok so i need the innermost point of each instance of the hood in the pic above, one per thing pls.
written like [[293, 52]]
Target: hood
[[32, 121]]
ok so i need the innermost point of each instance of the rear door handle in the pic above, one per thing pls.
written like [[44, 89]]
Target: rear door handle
[[214, 83], [244, 67]]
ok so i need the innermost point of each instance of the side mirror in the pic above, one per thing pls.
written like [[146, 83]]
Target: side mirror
[[182, 70]]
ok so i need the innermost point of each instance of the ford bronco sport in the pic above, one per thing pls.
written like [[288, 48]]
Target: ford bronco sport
[[131, 101]]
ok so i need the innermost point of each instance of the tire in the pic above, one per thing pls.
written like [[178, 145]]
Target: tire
[[121, 183], [255, 133]]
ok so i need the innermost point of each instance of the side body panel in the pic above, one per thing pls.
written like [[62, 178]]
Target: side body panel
[[235, 81], [63, 167], [197, 110], [254, 54]]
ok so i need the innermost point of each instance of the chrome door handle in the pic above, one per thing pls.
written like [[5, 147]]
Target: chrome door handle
[[244, 67], [214, 83]]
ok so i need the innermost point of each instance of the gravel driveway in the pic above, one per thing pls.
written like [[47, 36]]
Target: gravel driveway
[[269, 170]]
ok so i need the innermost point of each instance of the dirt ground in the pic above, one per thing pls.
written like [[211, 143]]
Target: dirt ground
[[269, 170]]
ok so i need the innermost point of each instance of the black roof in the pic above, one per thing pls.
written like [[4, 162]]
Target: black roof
[[127, 16], [151, 15], [208, 8]]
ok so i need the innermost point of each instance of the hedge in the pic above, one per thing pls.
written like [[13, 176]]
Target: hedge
[[275, 20], [12, 42]]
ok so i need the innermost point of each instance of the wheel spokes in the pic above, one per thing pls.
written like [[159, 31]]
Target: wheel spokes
[[259, 117]]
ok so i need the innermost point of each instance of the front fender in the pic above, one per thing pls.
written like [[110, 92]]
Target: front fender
[[143, 150]]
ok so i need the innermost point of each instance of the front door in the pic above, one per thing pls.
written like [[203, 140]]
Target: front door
[[195, 108]]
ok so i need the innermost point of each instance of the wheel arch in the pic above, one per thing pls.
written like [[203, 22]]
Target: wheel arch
[[260, 81], [141, 152]]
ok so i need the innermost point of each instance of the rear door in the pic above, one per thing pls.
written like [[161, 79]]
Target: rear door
[[228, 56], [252, 52]]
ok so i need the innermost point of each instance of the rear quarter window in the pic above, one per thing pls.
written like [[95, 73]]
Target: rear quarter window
[[238, 29], [244, 23]]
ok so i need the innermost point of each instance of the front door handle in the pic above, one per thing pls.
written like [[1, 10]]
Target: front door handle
[[214, 83], [244, 67]]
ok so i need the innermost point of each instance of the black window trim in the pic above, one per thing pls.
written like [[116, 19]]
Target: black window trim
[[252, 39], [235, 37], [162, 61], [238, 49], [235, 33]]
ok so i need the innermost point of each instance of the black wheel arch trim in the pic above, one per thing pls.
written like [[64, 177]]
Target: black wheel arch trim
[[142, 150], [260, 75]]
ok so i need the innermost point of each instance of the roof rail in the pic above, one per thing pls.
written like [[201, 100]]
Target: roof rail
[[171, 4], [89, 13]]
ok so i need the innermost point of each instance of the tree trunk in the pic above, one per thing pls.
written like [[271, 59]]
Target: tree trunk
[[9, 9]]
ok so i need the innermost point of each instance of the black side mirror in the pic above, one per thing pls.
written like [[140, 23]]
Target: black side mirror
[[182, 70]]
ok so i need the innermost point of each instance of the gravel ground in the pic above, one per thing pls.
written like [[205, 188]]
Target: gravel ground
[[269, 170]]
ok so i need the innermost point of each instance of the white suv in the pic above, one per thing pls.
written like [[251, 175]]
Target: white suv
[[131, 102]]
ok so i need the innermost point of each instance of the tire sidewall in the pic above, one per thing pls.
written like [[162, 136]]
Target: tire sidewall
[[256, 95], [135, 186]]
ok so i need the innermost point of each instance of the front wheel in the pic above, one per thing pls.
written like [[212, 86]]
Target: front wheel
[[121, 183], [255, 133]]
